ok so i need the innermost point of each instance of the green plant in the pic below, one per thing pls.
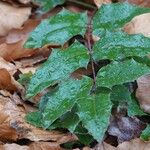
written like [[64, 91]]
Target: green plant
[[85, 105]]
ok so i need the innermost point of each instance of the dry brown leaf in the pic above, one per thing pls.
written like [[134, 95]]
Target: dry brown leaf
[[11, 17], [15, 120], [12, 47], [98, 3], [139, 24], [32, 146], [143, 92], [7, 81], [135, 144], [144, 3]]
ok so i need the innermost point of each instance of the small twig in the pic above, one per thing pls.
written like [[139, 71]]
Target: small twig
[[82, 4]]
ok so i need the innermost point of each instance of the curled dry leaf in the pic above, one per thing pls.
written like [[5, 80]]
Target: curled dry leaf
[[143, 92], [139, 24], [11, 17], [7, 81], [15, 123]]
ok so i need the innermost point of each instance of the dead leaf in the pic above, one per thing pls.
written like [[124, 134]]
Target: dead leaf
[[15, 121], [125, 128], [32, 146], [144, 3], [135, 144], [104, 146], [12, 47], [139, 24], [11, 17], [98, 3], [143, 92]]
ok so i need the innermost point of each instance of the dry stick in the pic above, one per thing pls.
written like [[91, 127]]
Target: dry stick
[[82, 4]]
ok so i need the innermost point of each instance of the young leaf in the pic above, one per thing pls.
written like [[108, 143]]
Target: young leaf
[[120, 72], [119, 45], [95, 111], [146, 133], [58, 29], [59, 66], [113, 16], [46, 5]]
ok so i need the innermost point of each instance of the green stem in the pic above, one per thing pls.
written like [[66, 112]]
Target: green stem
[[82, 4]]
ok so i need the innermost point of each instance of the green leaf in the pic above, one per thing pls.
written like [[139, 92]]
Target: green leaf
[[62, 101], [83, 135], [95, 111], [119, 45], [59, 66], [34, 118], [120, 72], [115, 15], [58, 29], [47, 5], [70, 120], [94, 115], [146, 133], [25, 78], [121, 95]]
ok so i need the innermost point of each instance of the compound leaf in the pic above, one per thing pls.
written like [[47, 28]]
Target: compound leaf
[[58, 29], [59, 66]]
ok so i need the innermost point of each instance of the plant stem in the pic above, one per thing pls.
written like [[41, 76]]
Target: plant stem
[[89, 37], [82, 4]]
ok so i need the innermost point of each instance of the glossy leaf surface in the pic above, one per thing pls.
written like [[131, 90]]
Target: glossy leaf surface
[[120, 72], [113, 16], [119, 45], [59, 66], [58, 29]]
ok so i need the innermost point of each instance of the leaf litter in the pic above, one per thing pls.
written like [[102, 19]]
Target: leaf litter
[[16, 60]]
